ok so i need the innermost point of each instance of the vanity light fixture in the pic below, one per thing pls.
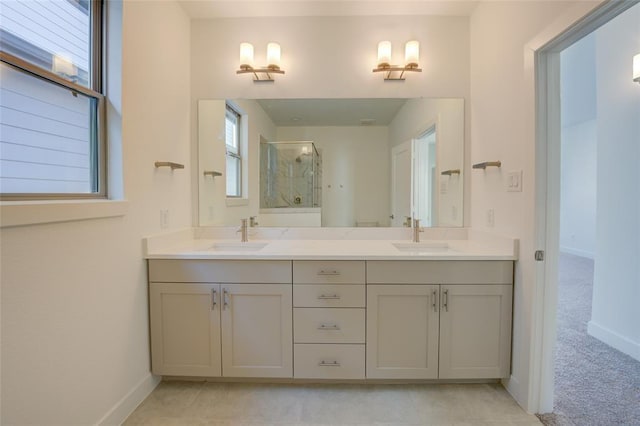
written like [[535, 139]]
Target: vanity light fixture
[[636, 68], [411, 55], [264, 73]]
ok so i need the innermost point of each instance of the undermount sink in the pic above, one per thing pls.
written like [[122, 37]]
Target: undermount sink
[[426, 247], [237, 246]]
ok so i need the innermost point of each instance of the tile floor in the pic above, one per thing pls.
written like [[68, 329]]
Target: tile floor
[[242, 404]]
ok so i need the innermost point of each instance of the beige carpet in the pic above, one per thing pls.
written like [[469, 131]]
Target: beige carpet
[[595, 384]]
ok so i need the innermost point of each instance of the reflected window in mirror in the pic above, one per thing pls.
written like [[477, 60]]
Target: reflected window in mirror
[[234, 155]]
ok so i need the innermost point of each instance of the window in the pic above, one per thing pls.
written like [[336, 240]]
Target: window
[[234, 158], [51, 105]]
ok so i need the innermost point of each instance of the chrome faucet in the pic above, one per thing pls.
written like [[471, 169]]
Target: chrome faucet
[[416, 230], [244, 235]]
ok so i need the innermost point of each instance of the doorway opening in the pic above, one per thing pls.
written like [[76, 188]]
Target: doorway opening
[[593, 222], [413, 180]]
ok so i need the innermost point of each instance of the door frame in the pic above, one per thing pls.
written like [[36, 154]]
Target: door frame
[[394, 150], [542, 66]]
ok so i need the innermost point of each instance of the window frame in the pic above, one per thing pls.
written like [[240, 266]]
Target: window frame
[[99, 161], [236, 155]]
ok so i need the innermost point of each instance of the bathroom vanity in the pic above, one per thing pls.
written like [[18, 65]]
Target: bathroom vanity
[[331, 309]]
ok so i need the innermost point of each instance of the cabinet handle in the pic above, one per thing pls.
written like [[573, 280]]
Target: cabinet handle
[[445, 300], [213, 298], [225, 298], [329, 364], [329, 297], [329, 327], [434, 293], [332, 272]]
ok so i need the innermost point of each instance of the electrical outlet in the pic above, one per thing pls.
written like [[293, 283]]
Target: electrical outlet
[[490, 218], [514, 181]]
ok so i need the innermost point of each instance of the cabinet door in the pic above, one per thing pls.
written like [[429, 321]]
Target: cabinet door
[[475, 331], [402, 331], [257, 331], [185, 329]]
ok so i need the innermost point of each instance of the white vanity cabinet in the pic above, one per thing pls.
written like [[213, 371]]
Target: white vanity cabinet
[[329, 319], [402, 331], [185, 329], [439, 319], [221, 318]]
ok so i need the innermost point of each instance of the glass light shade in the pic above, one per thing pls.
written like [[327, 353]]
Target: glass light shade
[[411, 53], [246, 55], [384, 53], [62, 65], [273, 55], [636, 68]]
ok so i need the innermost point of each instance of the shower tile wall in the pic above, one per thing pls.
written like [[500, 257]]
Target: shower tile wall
[[287, 175]]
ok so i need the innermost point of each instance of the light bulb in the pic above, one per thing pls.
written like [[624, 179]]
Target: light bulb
[[246, 55], [411, 53], [273, 55], [636, 68], [384, 53]]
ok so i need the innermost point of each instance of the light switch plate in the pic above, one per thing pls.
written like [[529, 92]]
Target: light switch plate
[[514, 181]]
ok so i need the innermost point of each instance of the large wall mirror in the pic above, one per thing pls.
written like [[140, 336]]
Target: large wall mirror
[[331, 162]]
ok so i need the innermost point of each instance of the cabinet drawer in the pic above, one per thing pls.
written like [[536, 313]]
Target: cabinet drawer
[[440, 272], [328, 361], [328, 325], [329, 272], [329, 296], [220, 271]]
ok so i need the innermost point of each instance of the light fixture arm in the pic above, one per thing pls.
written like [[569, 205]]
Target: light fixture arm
[[389, 69], [257, 72]]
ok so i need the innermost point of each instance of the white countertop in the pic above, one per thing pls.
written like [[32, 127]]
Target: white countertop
[[298, 245]]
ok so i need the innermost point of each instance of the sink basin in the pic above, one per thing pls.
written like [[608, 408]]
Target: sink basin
[[237, 246], [426, 247]]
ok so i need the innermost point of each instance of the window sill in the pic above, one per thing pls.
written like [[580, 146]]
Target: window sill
[[232, 202], [23, 213]]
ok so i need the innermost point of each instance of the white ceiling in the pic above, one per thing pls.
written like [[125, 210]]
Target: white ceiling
[[331, 112], [204, 9]]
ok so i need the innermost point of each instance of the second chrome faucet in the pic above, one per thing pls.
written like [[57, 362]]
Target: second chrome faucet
[[243, 230], [416, 230]]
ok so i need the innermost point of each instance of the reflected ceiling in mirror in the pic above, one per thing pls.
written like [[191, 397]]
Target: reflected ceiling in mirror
[[380, 161]]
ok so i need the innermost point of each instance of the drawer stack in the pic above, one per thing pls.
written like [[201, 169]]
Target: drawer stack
[[329, 301]]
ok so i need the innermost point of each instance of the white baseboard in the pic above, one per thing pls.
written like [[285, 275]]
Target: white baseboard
[[577, 252], [123, 408], [615, 340], [512, 385]]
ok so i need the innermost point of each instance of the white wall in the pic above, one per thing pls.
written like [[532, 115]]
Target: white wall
[[616, 290], [74, 295], [502, 128], [355, 171], [578, 189], [578, 146], [329, 57]]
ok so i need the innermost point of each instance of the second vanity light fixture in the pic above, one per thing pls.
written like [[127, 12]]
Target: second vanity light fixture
[[411, 54], [264, 73]]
